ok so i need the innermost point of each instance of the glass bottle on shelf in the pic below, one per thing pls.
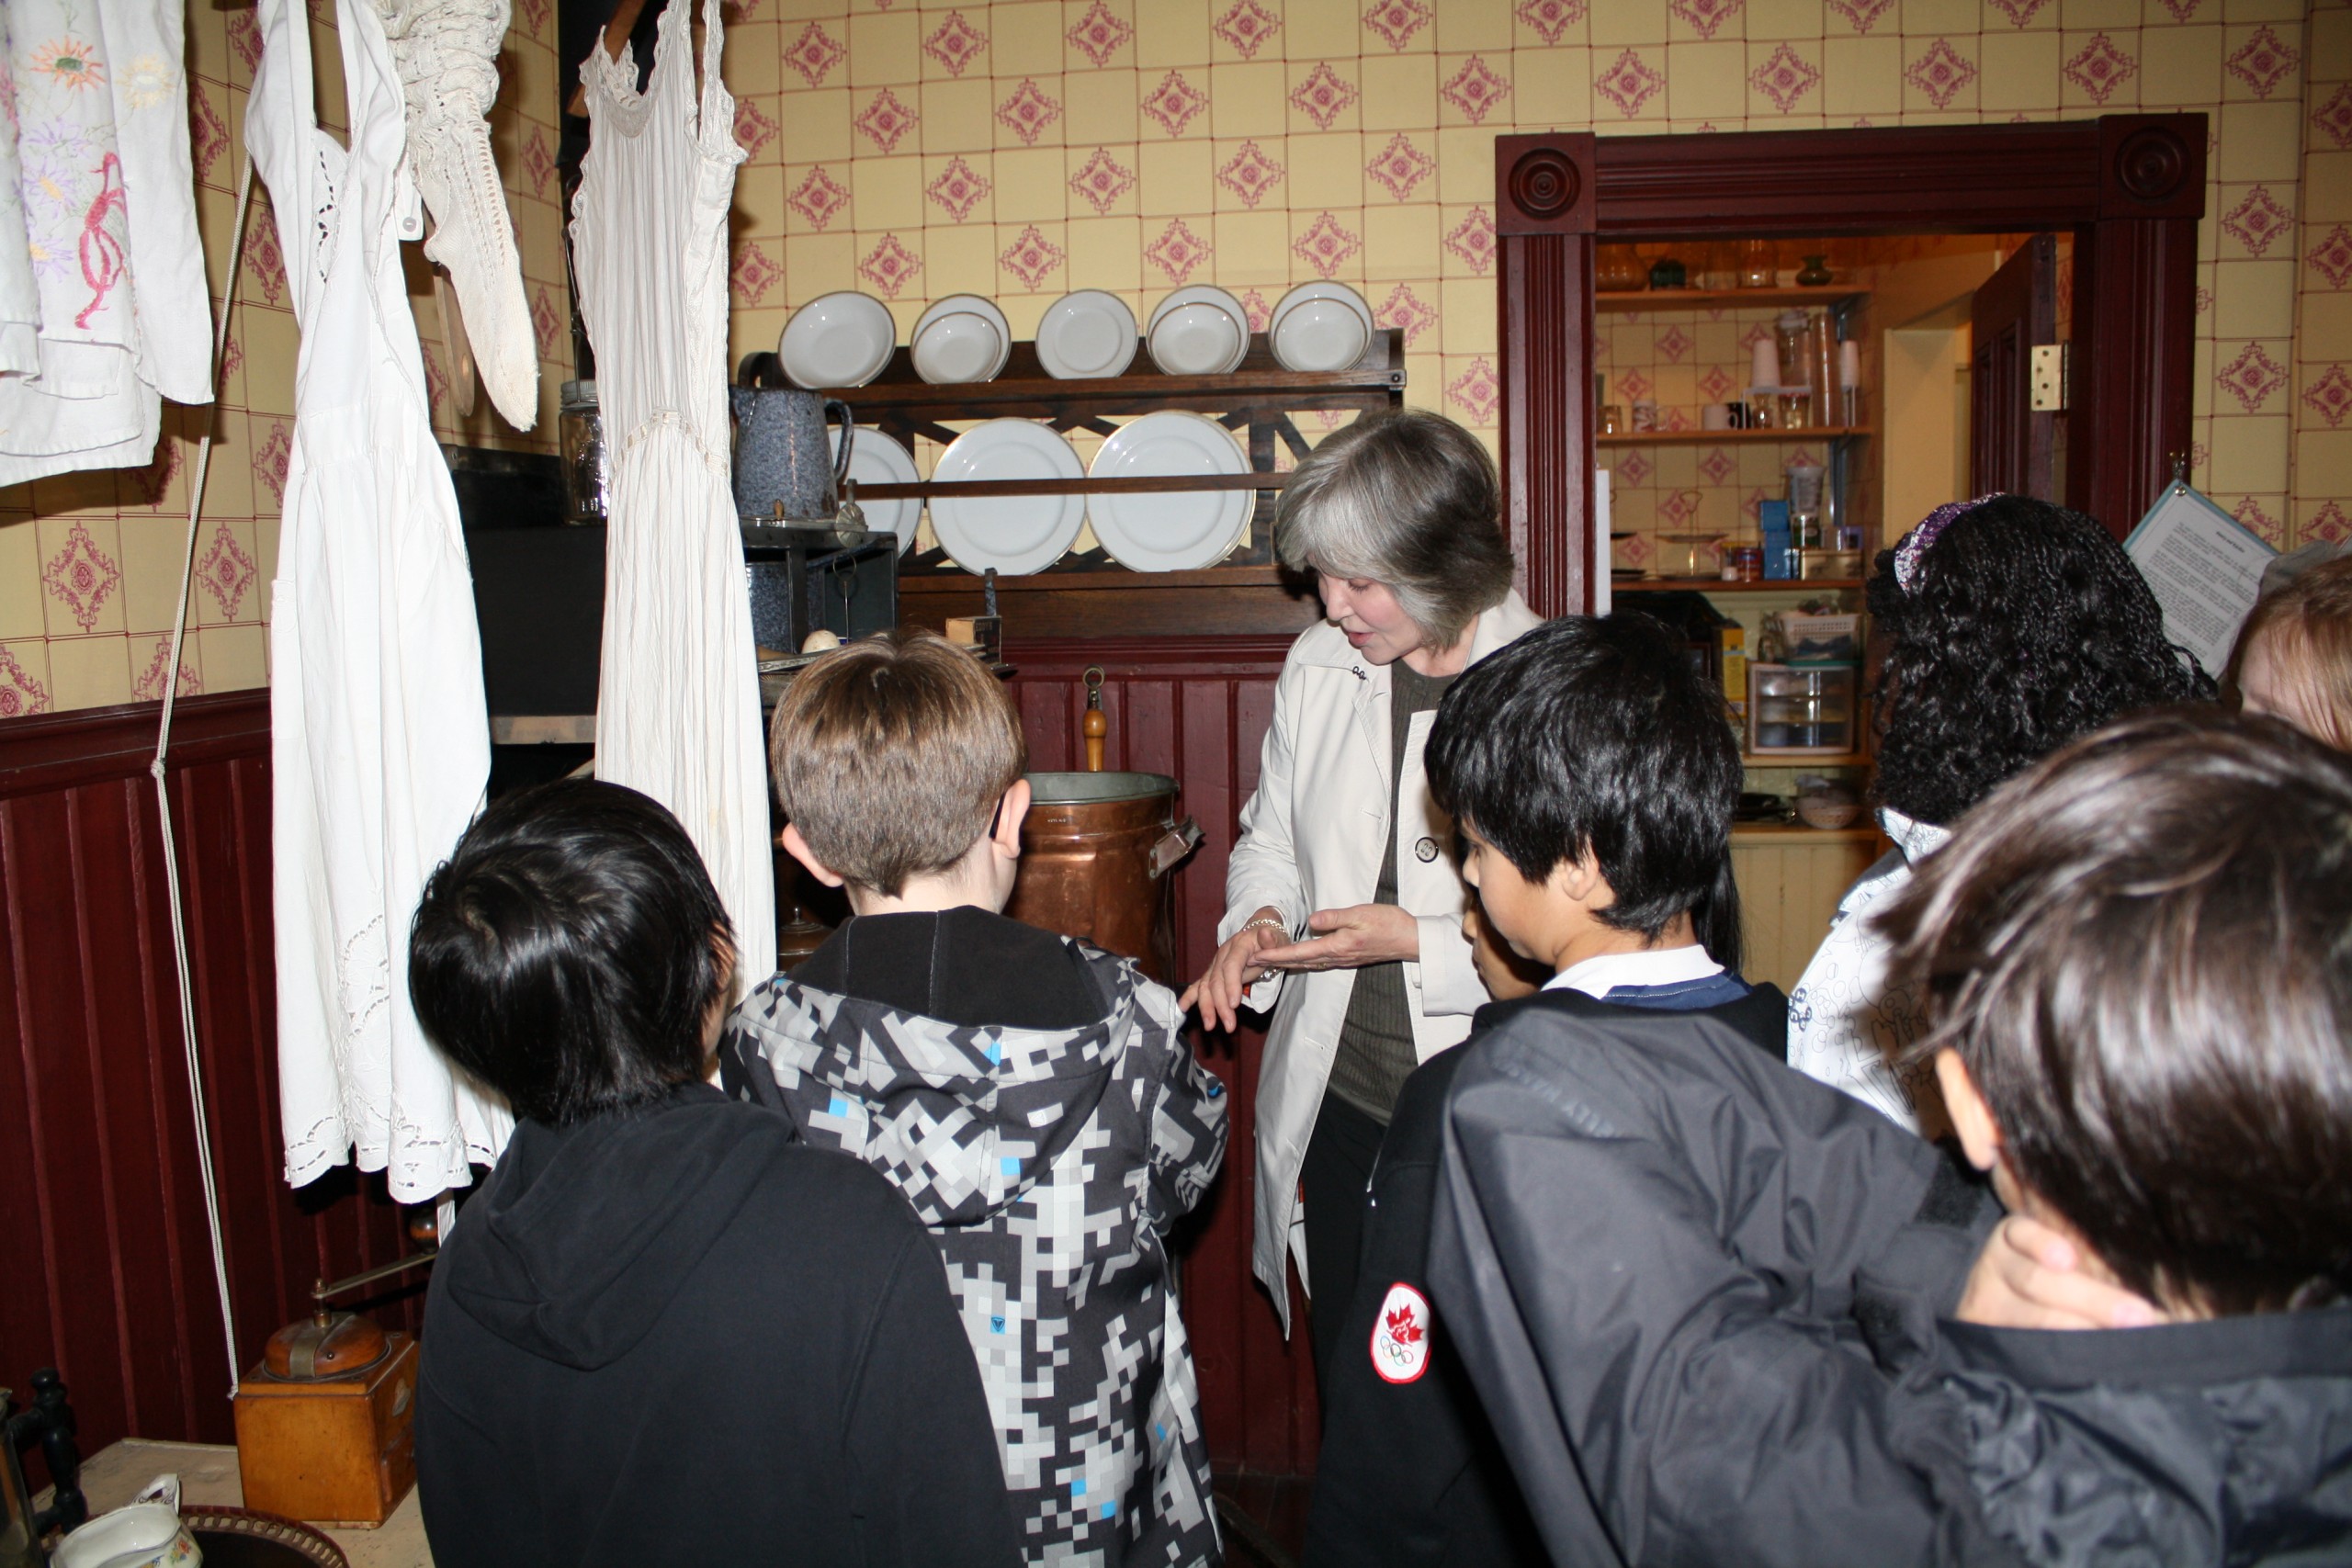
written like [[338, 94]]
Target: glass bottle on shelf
[[1758, 267]]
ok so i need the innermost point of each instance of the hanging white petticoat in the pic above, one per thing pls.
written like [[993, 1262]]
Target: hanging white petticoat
[[678, 711], [379, 744]]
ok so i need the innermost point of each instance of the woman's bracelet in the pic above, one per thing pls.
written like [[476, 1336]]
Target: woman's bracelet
[[1264, 920]]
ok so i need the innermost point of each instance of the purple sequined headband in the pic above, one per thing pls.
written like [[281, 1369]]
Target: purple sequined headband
[[1914, 544]]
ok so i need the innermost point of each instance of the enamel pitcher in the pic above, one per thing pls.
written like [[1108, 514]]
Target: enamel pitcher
[[785, 467]]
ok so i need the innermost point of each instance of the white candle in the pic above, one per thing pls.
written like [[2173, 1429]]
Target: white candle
[[1850, 363], [1766, 366]]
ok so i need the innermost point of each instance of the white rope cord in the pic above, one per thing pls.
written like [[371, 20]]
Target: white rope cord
[[163, 798]]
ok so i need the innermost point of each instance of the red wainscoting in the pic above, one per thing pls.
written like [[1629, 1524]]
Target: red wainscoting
[[1196, 708], [105, 1271]]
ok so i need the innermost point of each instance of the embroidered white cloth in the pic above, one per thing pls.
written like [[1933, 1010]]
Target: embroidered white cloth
[[104, 310], [678, 710], [379, 744], [446, 52], [1847, 1023]]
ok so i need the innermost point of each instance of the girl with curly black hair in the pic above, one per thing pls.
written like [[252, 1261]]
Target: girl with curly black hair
[[2009, 627]]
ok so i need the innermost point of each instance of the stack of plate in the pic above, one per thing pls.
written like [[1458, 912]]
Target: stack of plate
[[960, 339], [837, 340], [1321, 326], [1016, 534], [1199, 330], [1086, 335], [1170, 530]]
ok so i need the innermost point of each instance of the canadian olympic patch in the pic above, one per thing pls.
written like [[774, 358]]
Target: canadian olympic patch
[[1400, 1335]]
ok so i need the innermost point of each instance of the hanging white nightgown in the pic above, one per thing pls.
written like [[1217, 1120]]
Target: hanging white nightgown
[[380, 745], [98, 222], [678, 716]]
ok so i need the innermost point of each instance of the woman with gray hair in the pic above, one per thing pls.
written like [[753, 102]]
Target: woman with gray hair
[[1343, 907]]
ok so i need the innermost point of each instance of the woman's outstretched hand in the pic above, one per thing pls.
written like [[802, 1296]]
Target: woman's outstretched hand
[[1350, 939], [1234, 969]]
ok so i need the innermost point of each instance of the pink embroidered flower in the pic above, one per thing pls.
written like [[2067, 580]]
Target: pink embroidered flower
[[2330, 397], [1406, 312], [2333, 119], [1254, 306], [814, 54], [958, 189], [1629, 84], [20, 694], [1174, 103], [2257, 221], [1326, 244], [1246, 26], [753, 274], [272, 457], [889, 267], [1942, 73], [539, 163], [81, 577], [1550, 18], [69, 62], [244, 36], [2332, 257], [1784, 78], [226, 570], [1717, 466], [2182, 9], [2100, 68], [1705, 16], [1477, 391], [1098, 35], [207, 137], [2251, 376], [1102, 180], [1177, 252], [819, 198], [1716, 384], [1472, 240], [2019, 12], [547, 325], [2328, 523], [1672, 345], [149, 687], [1323, 97], [1634, 468], [956, 43], [1475, 89], [1031, 258], [263, 263], [1861, 14], [1249, 174], [2250, 513], [1400, 165], [2264, 62], [1027, 112], [1396, 21], [885, 120]]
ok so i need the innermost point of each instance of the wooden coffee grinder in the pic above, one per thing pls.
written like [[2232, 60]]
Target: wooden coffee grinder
[[326, 1423]]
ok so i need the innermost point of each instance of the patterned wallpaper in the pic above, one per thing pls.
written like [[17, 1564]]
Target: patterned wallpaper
[[90, 562], [1024, 148]]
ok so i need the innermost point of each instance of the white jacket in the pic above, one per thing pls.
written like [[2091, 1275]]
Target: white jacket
[[1312, 838]]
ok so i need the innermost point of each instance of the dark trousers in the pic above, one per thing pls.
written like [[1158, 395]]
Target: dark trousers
[[1336, 1180]]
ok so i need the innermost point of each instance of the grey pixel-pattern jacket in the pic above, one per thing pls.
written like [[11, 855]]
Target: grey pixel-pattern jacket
[[1050, 1164]]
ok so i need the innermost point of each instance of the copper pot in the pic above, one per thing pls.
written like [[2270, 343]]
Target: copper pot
[[1096, 854]]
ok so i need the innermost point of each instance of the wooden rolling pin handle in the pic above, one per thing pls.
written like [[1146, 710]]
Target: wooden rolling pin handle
[[1097, 724]]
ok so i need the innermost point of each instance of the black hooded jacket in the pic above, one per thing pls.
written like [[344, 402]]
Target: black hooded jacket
[[1703, 1300], [675, 1336]]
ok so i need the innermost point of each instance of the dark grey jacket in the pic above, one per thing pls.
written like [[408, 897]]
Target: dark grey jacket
[[1659, 1254]]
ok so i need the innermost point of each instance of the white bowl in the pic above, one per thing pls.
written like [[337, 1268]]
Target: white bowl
[[1199, 331], [837, 340], [1321, 326], [1086, 334], [960, 339]]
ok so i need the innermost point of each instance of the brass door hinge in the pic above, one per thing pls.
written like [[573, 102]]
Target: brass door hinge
[[2049, 383]]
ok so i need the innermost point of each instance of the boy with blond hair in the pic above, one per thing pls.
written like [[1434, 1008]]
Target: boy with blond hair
[[1031, 1095]]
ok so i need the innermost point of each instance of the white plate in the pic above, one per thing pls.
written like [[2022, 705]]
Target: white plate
[[837, 340], [877, 459], [1321, 326], [1015, 534], [960, 339], [1086, 334], [1170, 530], [1187, 337]]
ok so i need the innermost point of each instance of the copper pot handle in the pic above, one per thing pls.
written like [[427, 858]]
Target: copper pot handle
[[1174, 845]]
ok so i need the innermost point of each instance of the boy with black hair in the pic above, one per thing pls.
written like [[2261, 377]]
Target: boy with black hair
[[1591, 773], [664, 1332], [1662, 1269], [1031, 1095]]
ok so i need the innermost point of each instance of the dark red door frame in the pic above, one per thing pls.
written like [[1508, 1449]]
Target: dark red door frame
[[2131, 187]]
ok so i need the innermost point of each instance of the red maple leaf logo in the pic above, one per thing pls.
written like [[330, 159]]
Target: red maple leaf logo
[[1402, 1329]]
